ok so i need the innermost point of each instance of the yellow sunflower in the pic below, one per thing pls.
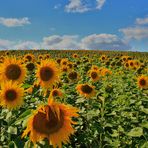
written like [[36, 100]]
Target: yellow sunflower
[[55, 93], [143, 82], [29, 57], [47, 73], [75, 55], [105, 72], [94, 67], [73, 76], [11, 95], [64, 62], [12, 69], [52, 121], [94, 75], [86, 90]]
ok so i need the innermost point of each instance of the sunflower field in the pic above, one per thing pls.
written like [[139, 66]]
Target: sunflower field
[[73, 99]]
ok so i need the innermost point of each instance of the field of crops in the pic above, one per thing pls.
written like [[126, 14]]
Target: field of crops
[[73, 99]]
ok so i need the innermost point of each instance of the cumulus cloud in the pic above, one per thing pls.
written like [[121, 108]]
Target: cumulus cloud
[[60, 42], [6, 44], [14, 22], [104, 42], [27, 45], [82, 6], [137, 33], [142, 21]]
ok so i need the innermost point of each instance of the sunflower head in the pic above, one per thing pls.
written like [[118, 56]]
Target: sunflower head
[[73, 75], [75, 55], [64, 62], [86, 90], [29, 57], [30, 66], [94, 75], [56, 93], [11, 95], [12, 69], [143, 82], [47, 73], [56, 123]]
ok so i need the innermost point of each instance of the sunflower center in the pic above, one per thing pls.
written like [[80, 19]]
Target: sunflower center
[[46, 73], [51, 122], [55, 93], [86, 89], [10, 95], [142, 82], [94, 75], [72, 75], [13, 72], [29, 58], [131, 64], [30, 66]]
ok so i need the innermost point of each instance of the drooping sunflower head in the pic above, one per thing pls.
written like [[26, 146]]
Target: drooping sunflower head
[[52, 121], [47, 73], [13, 69], [11, 95], [85, 90], [143, 82]]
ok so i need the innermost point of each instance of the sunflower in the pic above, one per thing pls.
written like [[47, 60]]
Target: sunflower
[[94, 67], [40, 57], [56, 93], [131, 63], [11, 95], [29, 57], [64, 62], [12, 69], [105, 72], [94, 75], [30, 66], [52, 121], [143, 81], [103, 58], [47, 73], [73, 75], [86, 90], [75, 55]]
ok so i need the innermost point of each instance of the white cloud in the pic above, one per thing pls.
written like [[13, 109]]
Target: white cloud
[[60, 42], [14, 22], [57, 6], [100, 3], [94, 41], [104, 42], [76, 6], [82, 6], [27, 45], [142, 21], [137, 33], [5, 44]]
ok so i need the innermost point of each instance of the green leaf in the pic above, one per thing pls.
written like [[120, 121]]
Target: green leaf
[[12, 145], [23, 116], [135, 132], [12, 130], [145, 124], [145, 145]]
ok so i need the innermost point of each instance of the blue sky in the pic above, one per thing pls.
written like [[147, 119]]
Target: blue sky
[[74, 24]]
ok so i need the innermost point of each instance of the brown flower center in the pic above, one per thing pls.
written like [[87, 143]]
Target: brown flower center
[[30, 66], [46, 73], [48, 123], [55, 93], [29, 58], [13, 72], [131, 63], [10, 95], [72, 75], [94, 75], [86, 89], [142, 82]]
